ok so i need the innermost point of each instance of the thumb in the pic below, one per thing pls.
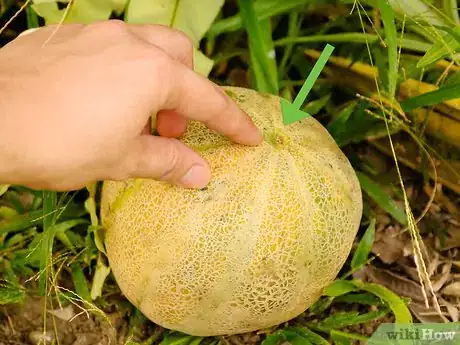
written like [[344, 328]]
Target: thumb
[[165, 159]]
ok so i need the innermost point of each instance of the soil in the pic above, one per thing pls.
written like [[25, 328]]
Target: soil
[[23, 324]]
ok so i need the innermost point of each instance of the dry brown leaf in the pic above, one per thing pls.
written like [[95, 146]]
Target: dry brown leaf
[[441, 279], [400, 285], [65, 314], [452, 240], [442, 200], [389, 244], [452, 289], [448, 171], [451, 309], [426, 315]]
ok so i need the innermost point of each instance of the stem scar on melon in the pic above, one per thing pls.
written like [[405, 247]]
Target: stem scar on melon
[[253, 249]]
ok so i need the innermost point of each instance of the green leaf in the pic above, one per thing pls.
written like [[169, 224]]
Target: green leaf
[[361, 298], [48, 10], [344, 319], [320, 305], [396, 304], [336, 334], [193, 17], [256, 68], [11, 293], [451, 8], [98, 232], [118, 6], [376, 193], [353, 37], [32, 18], [444, 47], [453, 79], [284, 335], [90, 204], [102, 272], [314, 107], [7, 213], [444, 93], [361, 254], [196, 341], [3, 188], [258, 37], [46, 247], [419, 10], [312, 337], [338, 123], [451, 32], [81, 11], [80, 283], [339, 287], [68, 224], [264, 10], [176, 339], [340, 339], [388, 18]]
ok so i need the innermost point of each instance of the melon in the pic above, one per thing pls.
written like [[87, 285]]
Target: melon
[[253, 249]]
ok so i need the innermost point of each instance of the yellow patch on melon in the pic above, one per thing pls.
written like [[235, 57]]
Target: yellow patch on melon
[[253, 249]]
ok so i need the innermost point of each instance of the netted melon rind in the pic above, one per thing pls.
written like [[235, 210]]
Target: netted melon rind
[[252, 250]]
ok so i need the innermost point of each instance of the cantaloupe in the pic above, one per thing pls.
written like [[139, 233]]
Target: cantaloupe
[[253, 249]]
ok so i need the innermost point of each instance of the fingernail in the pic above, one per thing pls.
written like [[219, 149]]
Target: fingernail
[[196, 177]]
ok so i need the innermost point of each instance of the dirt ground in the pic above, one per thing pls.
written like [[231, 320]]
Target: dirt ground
[[67, 326]]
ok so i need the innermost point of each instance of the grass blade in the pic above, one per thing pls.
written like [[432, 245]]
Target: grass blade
[[376, 193], [308, 334], [364, 247], [293, 31], [102, 272], [446, 46], [353, 37], [396, 304], [444, 93], [339, 339], [344, 319], [388, 18], [269, 51], [261, 63], [80, 283], [197, 341], [263, 9], [3, 188], [451, 7], [32, 18], [285, 335], [11, 293], [360, 298], [339, 287], [46, 251]]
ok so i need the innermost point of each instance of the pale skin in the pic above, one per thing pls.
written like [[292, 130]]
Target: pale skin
[[76, 110]]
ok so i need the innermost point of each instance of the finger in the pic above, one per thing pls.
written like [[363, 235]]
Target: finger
[[164, 159], [170, 124], [174, 42], [196, 98], [180, 47], [51, 33]]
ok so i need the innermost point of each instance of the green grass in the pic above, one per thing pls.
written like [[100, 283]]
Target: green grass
[[54, 232]]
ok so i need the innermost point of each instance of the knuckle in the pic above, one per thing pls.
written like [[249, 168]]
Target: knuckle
[[112, 27], [160, 66], [184, 40], [171, 159]]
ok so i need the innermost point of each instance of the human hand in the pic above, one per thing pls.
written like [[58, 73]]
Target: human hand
[[76, 110]]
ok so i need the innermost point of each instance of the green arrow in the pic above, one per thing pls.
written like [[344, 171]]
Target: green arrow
[[292, 112]]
